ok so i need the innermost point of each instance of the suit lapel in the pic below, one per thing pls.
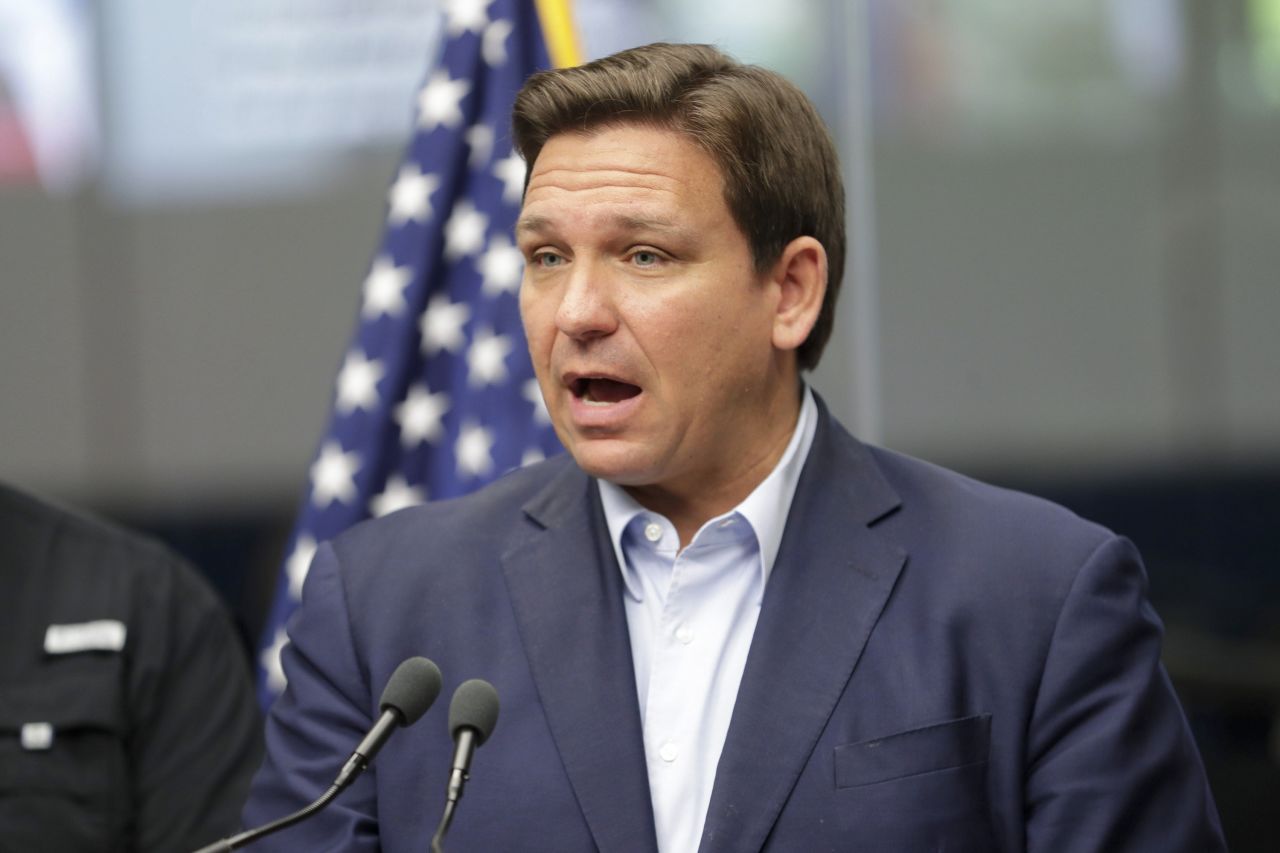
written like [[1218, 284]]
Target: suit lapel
[[567, 593], [829, 584]]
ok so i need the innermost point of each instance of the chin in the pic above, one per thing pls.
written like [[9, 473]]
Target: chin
[[615, 464]]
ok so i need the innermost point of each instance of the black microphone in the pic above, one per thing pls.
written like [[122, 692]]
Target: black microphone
[[410, 691], [473, 712]]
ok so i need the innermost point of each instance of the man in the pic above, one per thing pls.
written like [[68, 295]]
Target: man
[[127, 715], [723, 624]]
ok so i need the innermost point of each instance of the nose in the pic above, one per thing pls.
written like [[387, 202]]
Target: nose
[[586, 309]]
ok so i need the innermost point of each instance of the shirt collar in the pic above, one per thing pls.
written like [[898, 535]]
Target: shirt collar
[[765, 509]]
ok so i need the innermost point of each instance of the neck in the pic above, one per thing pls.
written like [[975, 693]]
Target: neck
[[691, 505]]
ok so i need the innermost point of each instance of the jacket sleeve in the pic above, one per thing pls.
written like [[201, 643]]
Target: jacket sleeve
[[1111, 764], [312, 728]]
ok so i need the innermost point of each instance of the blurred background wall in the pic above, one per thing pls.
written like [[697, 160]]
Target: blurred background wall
[[1066, 271]]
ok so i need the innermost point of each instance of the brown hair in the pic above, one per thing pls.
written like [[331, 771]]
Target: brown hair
[[781, 175]]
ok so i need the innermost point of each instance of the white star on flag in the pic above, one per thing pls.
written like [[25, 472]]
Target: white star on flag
[[479, 144], [493, 44], [410, 196], [473, 450], [333, 475], [384, 288], [464, 232], [421, 416], [299, 563], [397, 495], [501, 266], [533, 393], [270, 660], [358, 383], [487, 358], [532, 456], [510, 170], [442, 324], [466, 15], [427, 399], [440, 101]]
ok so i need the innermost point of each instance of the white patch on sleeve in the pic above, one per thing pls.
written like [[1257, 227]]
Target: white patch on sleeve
[[102, 635], [37, 736]]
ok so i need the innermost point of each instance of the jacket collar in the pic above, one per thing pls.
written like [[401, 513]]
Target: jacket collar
[[566, 590], [833, 575]]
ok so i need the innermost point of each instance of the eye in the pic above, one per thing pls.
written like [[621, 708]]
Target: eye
[[547, 259], [645, 258]]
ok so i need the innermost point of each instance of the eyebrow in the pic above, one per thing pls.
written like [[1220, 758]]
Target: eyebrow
[[640, 223], [535, 224]]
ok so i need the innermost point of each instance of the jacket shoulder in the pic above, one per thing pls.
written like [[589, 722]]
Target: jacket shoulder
[[951, 499], [989, 542], [463, 527]]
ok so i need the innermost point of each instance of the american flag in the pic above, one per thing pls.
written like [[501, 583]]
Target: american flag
[[435, 396]]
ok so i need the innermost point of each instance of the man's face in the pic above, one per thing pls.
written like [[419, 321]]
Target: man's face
[[651, 332]]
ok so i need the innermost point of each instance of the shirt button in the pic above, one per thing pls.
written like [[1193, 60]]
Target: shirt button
[[653, 531], [684, 634], [669, 752]]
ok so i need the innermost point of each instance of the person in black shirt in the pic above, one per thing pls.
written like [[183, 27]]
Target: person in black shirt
[[127, 715]]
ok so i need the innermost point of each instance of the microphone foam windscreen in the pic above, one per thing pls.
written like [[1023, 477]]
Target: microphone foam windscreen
[[411, 689], [474, 705]]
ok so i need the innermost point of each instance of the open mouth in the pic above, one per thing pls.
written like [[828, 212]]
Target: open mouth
[[600, 391]]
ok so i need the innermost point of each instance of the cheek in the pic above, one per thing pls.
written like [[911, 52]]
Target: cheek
[[539, 326], [732, 350], [687, 351]]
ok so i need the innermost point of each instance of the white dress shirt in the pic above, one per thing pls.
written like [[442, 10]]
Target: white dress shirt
[[691, 615]]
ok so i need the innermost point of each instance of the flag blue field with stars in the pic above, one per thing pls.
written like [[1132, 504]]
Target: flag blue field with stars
[[435, 396]]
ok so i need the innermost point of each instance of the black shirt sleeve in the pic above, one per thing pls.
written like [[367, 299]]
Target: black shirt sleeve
[[146, 745], [194, 739]]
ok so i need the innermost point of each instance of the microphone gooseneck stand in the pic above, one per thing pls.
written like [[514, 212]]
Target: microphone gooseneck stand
[[411, 690], [235, 842], [473, 712], [437, 840]]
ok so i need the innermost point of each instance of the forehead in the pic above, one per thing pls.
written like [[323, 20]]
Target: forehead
[[631, 165]]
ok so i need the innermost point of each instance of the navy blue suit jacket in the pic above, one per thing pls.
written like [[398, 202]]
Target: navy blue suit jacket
[[939, 665]]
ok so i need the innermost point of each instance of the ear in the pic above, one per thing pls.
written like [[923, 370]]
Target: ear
[[801, 276]]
